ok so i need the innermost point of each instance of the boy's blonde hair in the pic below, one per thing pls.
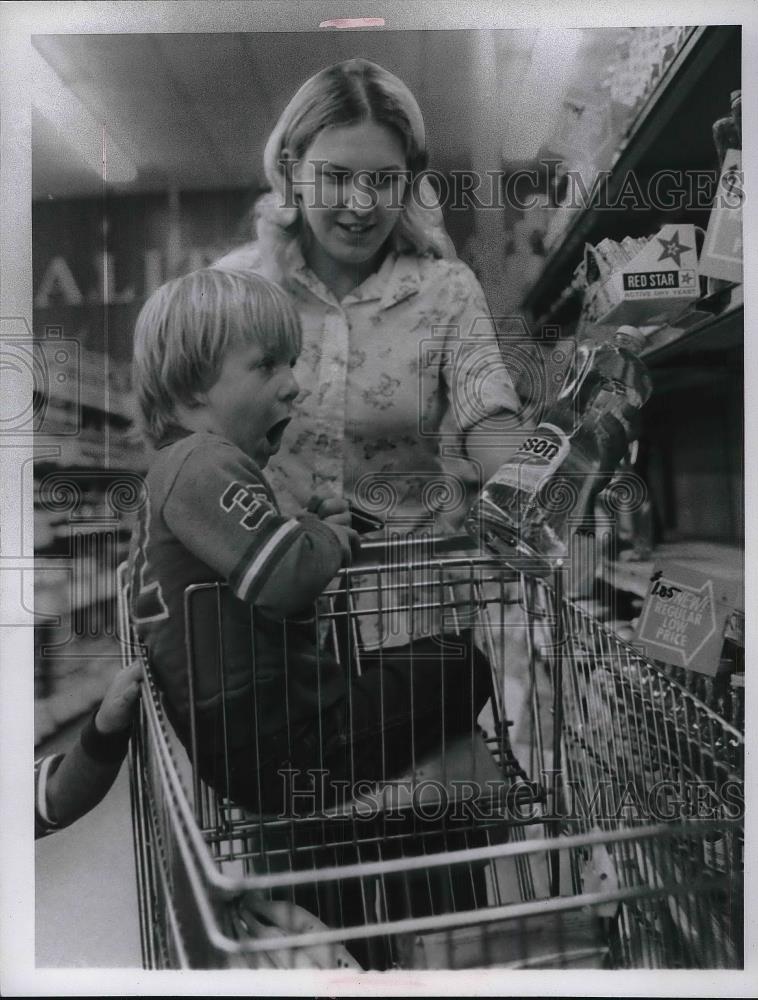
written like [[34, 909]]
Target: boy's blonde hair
[[185, 328]]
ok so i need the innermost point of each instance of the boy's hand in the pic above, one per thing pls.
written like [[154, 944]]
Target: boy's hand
[[349, 539], [261, 918], [334, 510], [120, 700]]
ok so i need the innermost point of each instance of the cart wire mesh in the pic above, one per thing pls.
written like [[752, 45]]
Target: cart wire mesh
[[601, 828]]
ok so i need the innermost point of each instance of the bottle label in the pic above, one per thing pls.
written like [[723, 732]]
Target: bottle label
[[539, 447], [541, 454]]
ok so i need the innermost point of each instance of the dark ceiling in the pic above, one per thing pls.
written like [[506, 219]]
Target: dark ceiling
[[193, 111]]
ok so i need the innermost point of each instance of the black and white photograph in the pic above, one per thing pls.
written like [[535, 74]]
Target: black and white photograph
[[373, 530]]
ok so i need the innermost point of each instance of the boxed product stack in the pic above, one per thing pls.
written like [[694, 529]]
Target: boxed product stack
[[640, 281], [596, 267]]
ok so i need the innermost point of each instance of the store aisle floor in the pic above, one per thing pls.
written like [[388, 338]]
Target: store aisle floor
[[86, 899]]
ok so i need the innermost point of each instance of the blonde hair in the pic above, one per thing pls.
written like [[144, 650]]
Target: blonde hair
[[185, 328], [348, 93]]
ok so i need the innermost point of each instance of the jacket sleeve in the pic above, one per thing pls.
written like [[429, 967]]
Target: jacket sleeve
[[68, 786], [221, 508]]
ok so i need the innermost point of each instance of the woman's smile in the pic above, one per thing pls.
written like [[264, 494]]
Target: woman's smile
[[355, 232]]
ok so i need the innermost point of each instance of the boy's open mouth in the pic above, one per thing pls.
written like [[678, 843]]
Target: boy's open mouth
[[275, 433]]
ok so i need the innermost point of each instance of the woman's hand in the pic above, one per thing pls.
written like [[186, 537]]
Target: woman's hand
[[495, 440], [120, 700]]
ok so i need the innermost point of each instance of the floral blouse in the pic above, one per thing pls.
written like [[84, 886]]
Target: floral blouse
[[392, 377]]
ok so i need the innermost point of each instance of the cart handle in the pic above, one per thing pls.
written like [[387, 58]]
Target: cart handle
[[381, 550]]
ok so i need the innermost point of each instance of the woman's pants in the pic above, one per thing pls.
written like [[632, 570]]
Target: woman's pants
[[408, 703]]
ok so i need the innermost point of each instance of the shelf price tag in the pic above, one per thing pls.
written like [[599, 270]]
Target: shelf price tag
[[721, 256], [683, 618]]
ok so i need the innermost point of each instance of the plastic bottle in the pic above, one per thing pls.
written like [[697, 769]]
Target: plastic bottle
[[727, 131], [550, 484]]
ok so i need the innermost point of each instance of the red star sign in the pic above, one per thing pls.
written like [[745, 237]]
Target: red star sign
[[672, 249]]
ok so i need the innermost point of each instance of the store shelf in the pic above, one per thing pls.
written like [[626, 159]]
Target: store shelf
[[699, 331], [674, 122]]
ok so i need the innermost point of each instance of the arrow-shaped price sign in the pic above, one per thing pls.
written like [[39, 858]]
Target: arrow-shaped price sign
[[683, 617]]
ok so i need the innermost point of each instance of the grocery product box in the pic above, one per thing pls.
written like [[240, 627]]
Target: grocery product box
[[642, 282], [721, 256]]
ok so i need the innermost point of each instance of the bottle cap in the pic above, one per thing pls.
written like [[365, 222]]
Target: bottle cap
[[630, 337]]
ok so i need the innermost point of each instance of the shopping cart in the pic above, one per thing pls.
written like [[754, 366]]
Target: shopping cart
[[597, 822]]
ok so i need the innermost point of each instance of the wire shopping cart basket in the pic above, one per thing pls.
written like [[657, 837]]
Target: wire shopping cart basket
[[593, 819]]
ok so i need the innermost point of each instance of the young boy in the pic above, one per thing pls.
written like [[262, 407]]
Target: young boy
[[214, 353]]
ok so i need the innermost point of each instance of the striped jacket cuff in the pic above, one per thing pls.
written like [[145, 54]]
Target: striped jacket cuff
[[43, 769], [254, 568]]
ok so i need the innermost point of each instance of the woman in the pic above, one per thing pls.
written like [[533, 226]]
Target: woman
[[403, 385]]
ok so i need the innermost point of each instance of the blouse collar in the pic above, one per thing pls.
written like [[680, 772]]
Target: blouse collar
[[397, 279]]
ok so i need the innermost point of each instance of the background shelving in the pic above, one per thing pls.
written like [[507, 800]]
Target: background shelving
[[671, 132], [691, 442]]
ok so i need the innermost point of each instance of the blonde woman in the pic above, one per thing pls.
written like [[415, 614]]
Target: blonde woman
[[404, 393]]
